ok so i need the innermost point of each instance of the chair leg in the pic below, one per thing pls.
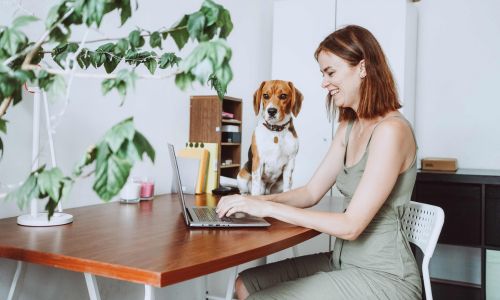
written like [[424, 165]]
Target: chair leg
[[426, 278]]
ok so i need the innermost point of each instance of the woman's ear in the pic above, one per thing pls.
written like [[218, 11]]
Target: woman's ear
[[257, 96], [362, 69], [296, 99]]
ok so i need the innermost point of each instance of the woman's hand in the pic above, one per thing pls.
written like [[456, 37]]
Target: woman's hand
[[228, 205]]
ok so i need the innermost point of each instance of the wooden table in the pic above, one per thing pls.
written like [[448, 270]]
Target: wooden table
[[146, 243]]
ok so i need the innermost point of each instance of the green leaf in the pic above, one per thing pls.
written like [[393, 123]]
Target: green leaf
[[92, 11], [49, 182], [225, 23], [180, 33], [202, 70], [169, 60], [12, 40], [142, 146], [60, 53], [23, 20], [27, 191], [119, 133], [184, 80], [1, 148], [164, 34], [97, 59], [126, 11], [111, 176], [135, 39], [88, 158], [107, 85], [3, 125], [122, 46], [23, 76], [211, 11], [111, 63], [151, 65], [84, 58], [53, 16], [195, 24], [155, 40], [50, 207]]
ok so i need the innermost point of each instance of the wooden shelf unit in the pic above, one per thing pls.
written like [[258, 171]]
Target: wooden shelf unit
[[205, 125], [470, 199]]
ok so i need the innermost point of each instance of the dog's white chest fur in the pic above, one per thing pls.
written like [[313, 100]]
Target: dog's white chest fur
[[275, 156]]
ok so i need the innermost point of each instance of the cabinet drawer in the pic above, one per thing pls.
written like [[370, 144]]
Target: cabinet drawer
[[462, 210], [492, 223]]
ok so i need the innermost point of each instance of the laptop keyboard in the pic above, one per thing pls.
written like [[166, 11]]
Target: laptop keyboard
[[208, 214]]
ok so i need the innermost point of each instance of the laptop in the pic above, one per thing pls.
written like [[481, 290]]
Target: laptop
[[205, 216]]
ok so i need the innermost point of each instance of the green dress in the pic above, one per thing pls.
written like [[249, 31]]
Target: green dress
[[377, 265]]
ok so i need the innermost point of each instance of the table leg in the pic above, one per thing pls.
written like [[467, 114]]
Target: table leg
[[92, 286], [149, 293], [230, 283], [17, 281]]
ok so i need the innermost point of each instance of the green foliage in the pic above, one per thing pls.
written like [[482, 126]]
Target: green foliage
[[117, 152], [155, 40], [41, 184], [168, 60], [122, 146], [124, 79], [3, 128], [209, 60]]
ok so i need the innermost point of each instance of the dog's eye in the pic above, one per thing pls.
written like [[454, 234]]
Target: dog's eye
[[283, 96], [266, 96]]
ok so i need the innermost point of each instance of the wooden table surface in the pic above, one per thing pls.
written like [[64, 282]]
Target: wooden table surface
[[146, 243]]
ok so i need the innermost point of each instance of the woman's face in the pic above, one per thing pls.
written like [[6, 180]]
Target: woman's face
[[341, 80]]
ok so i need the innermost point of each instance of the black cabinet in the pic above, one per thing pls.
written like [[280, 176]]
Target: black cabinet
[[471, 202]]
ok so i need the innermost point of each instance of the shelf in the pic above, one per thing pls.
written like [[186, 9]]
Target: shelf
[[455, 282], [230, 144], [230, 166], [231, 121]]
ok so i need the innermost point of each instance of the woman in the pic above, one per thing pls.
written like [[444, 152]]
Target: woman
[[372, 161]]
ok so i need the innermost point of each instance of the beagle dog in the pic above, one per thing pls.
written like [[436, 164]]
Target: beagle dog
[[271, 156]]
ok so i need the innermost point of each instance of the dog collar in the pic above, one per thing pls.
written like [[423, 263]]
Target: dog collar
[[276, 127]]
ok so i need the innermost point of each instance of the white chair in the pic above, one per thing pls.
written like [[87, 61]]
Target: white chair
[[422, 224]]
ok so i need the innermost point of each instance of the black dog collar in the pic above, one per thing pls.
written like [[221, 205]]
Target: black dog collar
[[276, 127]]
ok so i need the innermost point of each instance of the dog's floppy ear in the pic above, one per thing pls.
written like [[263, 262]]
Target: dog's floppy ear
[[296, 99], [257, 96]]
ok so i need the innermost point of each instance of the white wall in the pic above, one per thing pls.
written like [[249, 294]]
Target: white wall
[[298, 29], [457, 105], [161, 113]]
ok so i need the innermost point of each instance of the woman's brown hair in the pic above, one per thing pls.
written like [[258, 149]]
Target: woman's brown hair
[[378, 94]]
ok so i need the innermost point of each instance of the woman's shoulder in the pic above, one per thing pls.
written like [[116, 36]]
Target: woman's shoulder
[[395, 128]]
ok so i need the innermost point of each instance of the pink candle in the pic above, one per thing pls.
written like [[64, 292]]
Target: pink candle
[[147, 190]]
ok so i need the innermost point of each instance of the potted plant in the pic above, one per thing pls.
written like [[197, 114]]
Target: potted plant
[[111, 158]]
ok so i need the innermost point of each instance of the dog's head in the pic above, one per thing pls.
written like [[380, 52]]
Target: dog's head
[[278, 99]]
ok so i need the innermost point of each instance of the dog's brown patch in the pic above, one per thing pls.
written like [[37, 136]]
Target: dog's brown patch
[[255, 155], [244, 174], [291, 128]]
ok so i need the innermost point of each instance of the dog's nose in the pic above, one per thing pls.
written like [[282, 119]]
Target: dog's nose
[[272, 111]]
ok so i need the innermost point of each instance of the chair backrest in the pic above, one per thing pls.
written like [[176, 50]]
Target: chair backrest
[[422, 224]]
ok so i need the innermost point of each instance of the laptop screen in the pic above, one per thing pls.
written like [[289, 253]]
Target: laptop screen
[[176, 181]]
